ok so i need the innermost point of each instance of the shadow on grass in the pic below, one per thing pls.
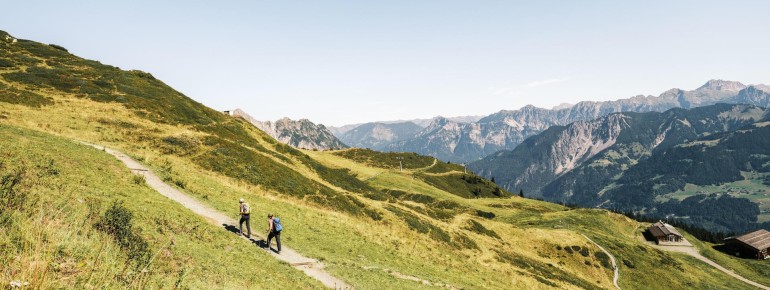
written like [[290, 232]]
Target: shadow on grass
[[648, 236], [735, 252], [261, 243]]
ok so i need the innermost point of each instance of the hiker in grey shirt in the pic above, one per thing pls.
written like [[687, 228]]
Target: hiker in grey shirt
[[245, 211]]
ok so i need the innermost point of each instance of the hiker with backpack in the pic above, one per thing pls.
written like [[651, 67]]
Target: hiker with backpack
[[245, 212], [274, 228]]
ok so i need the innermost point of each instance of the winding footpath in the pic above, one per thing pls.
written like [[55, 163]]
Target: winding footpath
[[692, 251], [309, 266], [612, 259]]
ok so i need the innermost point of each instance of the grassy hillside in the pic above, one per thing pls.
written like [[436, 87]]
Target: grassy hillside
[[373, 225], [56, 194]]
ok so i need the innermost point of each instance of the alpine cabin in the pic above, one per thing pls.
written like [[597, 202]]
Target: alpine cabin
[[664, 233], [753, 244]]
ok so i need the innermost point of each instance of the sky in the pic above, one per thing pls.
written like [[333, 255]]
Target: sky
[[344, 62]]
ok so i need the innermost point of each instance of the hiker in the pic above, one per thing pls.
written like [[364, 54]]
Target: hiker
[[274, 229], [245, 211]]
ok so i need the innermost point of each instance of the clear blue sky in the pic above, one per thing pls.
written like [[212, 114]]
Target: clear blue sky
[[339, 62]]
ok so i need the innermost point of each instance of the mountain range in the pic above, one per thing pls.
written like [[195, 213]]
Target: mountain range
[[664, 164], [302, 134], [458, 141]]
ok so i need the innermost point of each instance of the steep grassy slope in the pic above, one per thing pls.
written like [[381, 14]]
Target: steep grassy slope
[[374, 226], [55, 194]]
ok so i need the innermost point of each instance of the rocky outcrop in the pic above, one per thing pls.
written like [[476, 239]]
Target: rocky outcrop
[[302, 134]]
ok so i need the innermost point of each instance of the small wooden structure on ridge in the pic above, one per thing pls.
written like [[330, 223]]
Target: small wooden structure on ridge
[[664, 233], [755, 243]]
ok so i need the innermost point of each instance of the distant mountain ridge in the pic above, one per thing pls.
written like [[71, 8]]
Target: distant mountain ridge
[[378, 136], [422, 123], [466, 142], [298, 134]]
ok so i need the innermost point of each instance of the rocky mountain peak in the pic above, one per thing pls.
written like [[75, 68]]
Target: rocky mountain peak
[[300, 134], [722, 85], [439, 122]]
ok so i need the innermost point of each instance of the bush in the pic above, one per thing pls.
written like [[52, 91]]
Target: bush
[[537, 268], [118, 223], [181, 184], [485, 214], [23, 97], [12, 196], [138, 180], [6, 63], [584, 252], [461, 241], [478, 228], [420, 226], [59, 47], [604, 259]]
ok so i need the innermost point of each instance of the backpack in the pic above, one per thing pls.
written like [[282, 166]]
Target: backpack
[[277, 224]]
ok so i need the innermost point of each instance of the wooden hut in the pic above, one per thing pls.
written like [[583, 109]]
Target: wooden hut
[[664, 233], [755, 244]]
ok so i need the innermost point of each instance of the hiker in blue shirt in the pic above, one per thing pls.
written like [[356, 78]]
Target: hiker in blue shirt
[[274, 229]]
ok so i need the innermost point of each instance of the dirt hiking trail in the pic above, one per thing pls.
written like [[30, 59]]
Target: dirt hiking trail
[[692, 251], [612, 259], [309, 266]]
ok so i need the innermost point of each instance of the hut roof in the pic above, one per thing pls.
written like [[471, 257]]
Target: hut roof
[[661, 229], [758, 240]]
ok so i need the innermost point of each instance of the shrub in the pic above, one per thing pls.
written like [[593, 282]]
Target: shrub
[[420, 226], [6, 63], [538, 268], [59, 47], [485, 214], [604, 259], [138, 180], [12, 196], [48, 168], [22, 97], [584, 252], [478, 228], [118, 223], [181, 184], [420, 198], [461, 241]]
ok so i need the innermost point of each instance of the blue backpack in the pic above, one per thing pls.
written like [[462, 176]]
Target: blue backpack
[[277, 224]]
